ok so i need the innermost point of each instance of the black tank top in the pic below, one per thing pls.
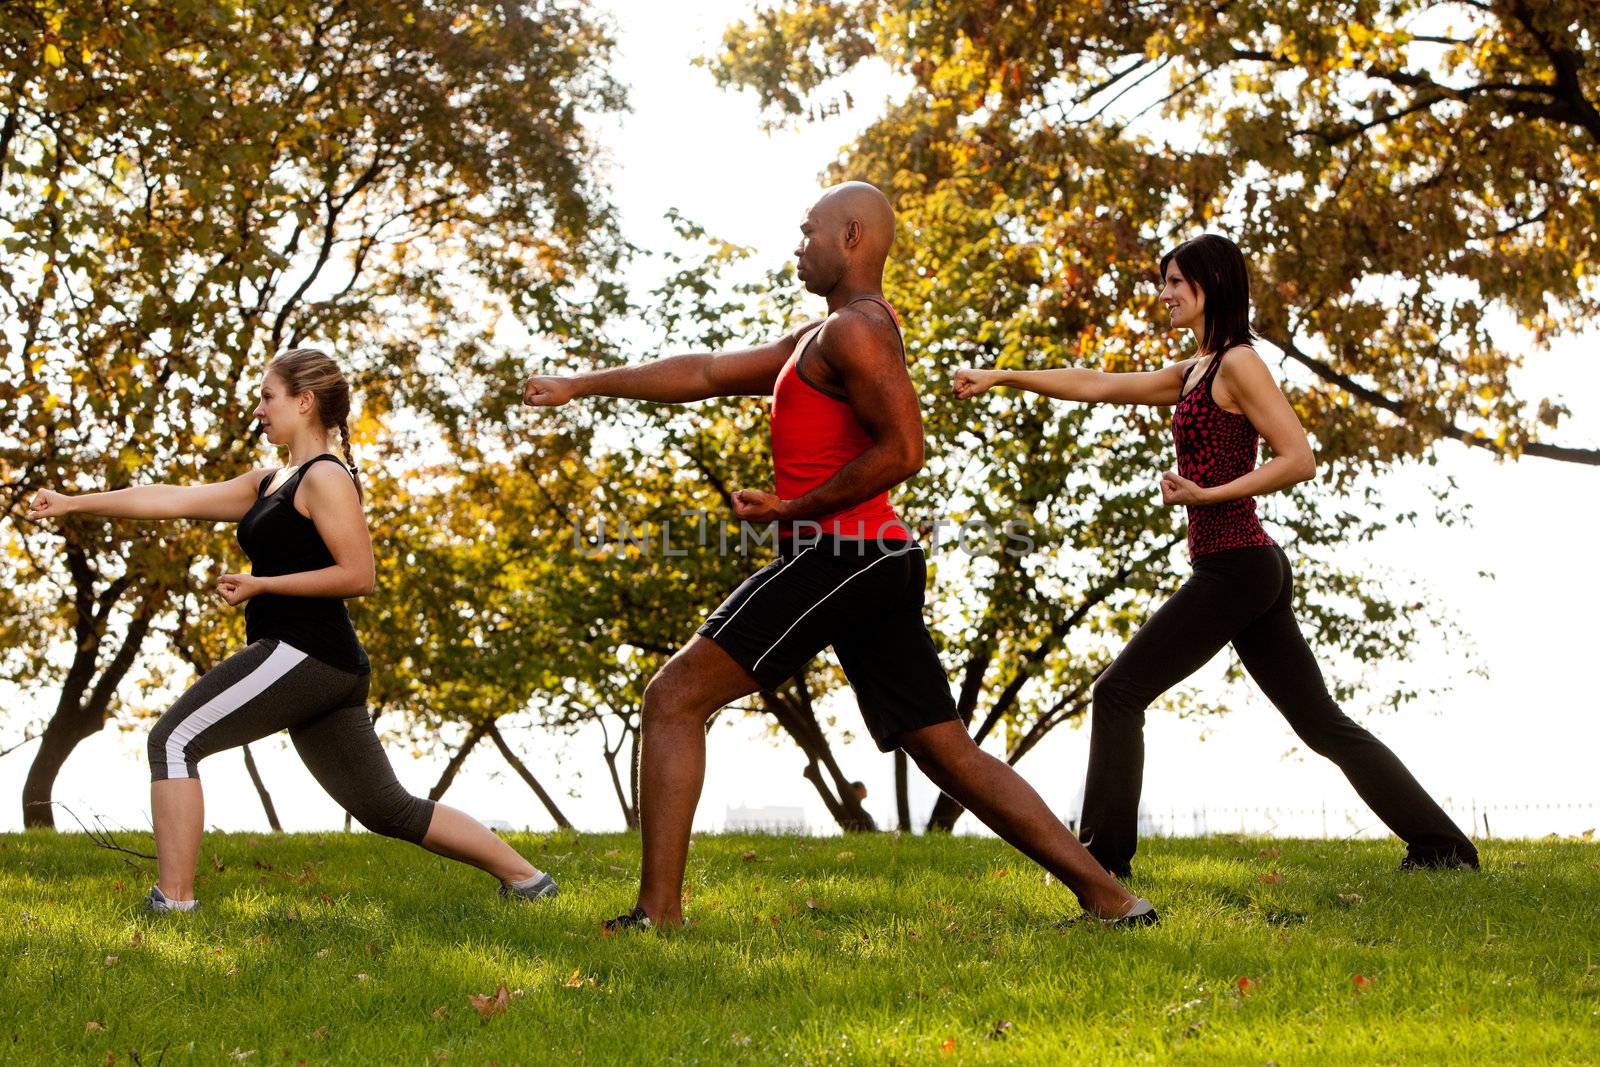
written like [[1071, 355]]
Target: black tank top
[[280, 540]]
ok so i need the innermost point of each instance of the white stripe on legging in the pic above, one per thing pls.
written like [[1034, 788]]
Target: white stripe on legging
[[818, 604], [760, 587], [283, 659]]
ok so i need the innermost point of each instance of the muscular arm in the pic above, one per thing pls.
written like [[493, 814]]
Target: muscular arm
[[1160, 388], [1245, 380], [866, 357], [330, 497], [220, 501], [675, 379]]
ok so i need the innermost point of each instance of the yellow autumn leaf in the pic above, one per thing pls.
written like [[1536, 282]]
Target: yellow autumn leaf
[[52, 55]]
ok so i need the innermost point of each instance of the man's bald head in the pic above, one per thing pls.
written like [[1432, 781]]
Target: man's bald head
[[847, 233]]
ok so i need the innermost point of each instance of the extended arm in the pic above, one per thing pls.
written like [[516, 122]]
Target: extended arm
[[220, 501], [674, 379], [1157, 387], [330, 497]]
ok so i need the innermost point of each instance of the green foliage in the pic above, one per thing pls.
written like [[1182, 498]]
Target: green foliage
[[1041, 159], [189, 188], [1398, 171], [882, 949]]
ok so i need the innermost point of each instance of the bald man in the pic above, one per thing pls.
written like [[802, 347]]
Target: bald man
[[846, 428]]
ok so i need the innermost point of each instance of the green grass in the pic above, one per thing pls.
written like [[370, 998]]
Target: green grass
[[333, 948]]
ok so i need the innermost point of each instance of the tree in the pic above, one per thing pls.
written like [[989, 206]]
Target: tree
[[1032, 225], [189, 188], [1400, 171]]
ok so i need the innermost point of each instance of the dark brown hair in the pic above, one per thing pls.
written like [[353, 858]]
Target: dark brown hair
[[1216, 267]]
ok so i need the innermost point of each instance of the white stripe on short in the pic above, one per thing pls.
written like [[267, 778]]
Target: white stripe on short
[[758, 589], [283, 659], [818, 604]]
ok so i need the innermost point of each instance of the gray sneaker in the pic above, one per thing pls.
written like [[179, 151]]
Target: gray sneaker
[[157, 903], [544, 887]]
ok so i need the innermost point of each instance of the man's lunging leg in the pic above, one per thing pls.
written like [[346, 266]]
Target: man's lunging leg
[[678, 702], [1009, 806]]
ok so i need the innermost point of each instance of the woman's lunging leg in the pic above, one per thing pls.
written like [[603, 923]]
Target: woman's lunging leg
[[1275, 653]]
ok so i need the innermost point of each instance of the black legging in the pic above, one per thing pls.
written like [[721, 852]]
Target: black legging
[[269, 686], [1242, 595]]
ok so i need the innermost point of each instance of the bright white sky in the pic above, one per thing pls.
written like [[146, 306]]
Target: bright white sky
[[1526, 735]]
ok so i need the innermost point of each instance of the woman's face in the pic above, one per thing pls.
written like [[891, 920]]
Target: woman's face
[[279, 412], [1185, 302]]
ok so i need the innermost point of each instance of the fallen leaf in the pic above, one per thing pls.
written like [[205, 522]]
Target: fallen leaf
[[948, 1047], [119, 886], [363, 977], [493, 1004], [846, 855], [742, 1040], [137, 939], [576, 980], [440, 1012], [94, 1026], [241, 1055], [1588, 835], [218, 866], [319, 1033], [1361, 981], [322, 953], [1350, 898], [111, 1058], [1243, 984], [111, 961], [261, 939], [1001, 873], [912, 935], [749, 857], [231, 971], [1270, 853], [1270, 878]]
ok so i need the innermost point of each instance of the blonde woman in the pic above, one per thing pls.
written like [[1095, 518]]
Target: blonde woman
[[303, 669]]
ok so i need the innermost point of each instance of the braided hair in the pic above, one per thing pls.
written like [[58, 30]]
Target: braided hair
[[313, 370]]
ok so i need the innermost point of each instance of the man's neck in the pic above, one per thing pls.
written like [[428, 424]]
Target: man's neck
[[848, 292]]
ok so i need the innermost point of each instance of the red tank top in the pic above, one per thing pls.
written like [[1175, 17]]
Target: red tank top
[[1215, 446], [814, 435]]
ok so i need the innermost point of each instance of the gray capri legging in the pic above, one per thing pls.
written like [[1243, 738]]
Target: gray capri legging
[[270, 686]]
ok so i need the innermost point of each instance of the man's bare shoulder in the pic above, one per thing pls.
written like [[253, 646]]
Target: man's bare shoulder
[[863, 332]]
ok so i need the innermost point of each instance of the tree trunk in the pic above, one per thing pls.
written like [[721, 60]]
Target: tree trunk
[[945, 812], [473, 737], [799, 721], [63, 733], [527, 776], [81, 710], [902, 791], [261, 791], [629, 806]]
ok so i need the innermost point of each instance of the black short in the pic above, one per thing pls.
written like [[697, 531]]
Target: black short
[[862, 597]]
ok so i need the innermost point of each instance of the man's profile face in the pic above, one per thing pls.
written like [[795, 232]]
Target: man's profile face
[[819, 257]]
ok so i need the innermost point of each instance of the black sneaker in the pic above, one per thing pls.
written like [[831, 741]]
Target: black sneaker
[[634, 920], [1439, 861]]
